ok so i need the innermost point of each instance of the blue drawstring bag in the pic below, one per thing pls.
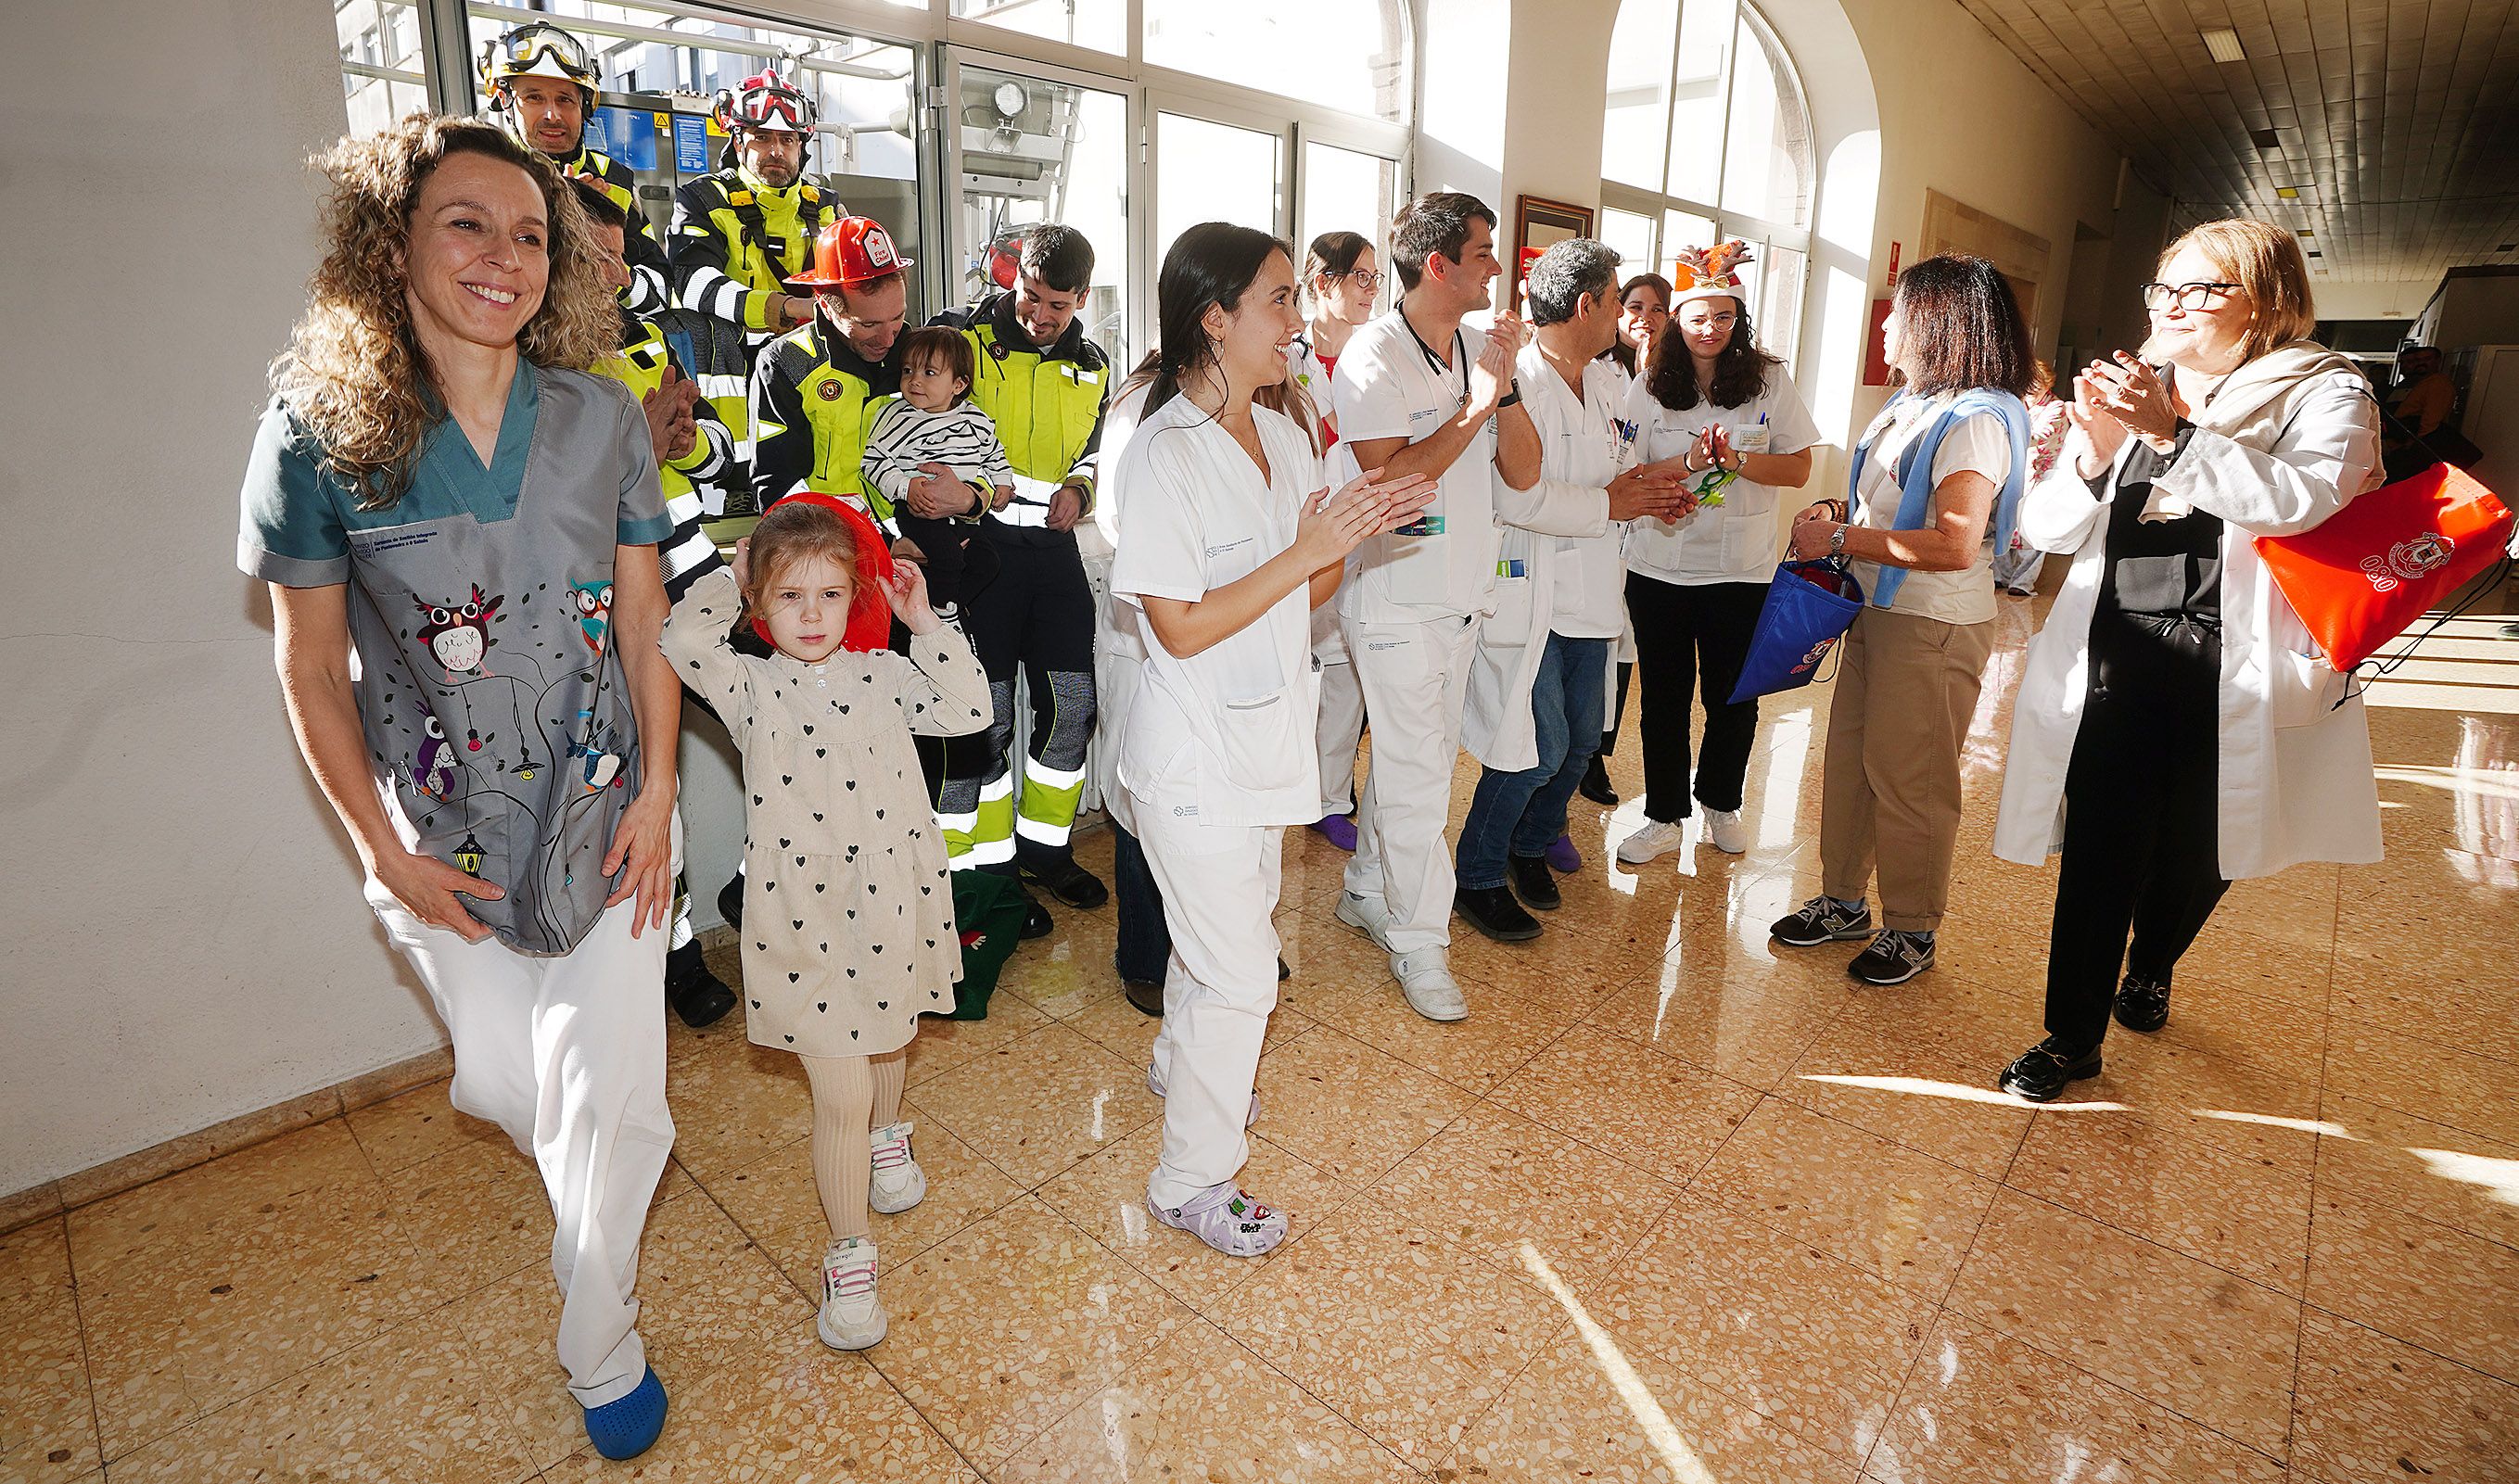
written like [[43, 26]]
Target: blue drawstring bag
[[1809, 606]]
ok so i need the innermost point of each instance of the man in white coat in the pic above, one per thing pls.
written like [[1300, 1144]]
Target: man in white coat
[[1534, 714], [1417, 393]]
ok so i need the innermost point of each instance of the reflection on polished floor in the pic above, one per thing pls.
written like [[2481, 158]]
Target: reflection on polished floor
[[1671, 1206]]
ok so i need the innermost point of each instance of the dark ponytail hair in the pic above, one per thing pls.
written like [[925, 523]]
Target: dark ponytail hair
[[1333, 254], [1212, 265]]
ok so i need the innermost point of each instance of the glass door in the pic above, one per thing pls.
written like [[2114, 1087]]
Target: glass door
[[1025, 144], [1345, 190], [1205, 171]]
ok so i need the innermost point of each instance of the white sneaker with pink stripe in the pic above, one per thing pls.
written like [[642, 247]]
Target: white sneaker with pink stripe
[[898, 1183], [852, 1317]]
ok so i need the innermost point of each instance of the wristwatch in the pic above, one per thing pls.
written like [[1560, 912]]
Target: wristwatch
[[1837, 540], [1512, 397]]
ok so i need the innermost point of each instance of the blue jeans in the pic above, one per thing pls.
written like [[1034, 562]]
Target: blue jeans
[[1525, 813], [1145, 944]]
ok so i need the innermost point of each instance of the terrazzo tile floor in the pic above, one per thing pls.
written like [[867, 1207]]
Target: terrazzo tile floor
[[1672, 1205]]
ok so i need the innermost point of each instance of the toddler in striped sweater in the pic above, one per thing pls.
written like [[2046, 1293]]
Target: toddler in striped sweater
[[933, 463]]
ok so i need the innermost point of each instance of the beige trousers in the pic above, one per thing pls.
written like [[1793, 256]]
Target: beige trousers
[[1895, 726]]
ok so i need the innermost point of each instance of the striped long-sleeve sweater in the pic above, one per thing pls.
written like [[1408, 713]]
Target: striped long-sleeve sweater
[[961, 438]]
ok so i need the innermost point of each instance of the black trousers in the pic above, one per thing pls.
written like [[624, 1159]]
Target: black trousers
[[1688, 638], [2141, 809], [1035, 614]]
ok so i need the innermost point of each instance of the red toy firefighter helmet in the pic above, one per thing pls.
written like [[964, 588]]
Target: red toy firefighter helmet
[[853, 250]]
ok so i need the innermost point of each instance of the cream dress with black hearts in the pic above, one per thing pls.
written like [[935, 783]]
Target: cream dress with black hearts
[[848, 913]]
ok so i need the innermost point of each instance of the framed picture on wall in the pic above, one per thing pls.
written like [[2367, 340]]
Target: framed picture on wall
[[1539, 224]]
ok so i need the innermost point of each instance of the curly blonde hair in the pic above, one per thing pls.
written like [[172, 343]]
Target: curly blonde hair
[[355, 372]]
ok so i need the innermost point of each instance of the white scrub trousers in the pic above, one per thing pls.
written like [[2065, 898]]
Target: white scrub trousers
[[567, 1054], [1219, 884], [1340, 727], [1415, 679]]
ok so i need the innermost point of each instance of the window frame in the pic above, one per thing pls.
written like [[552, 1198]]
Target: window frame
[[940, 42], [1762, 235]]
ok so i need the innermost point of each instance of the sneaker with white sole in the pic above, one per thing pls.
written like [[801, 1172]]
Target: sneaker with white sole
[[1893, 958], [1226, 1219], [1426, 979], [1822, 920], [1155, 1085], [1724, 828], [1658, 838], [852, 1317], [1366, 915], [899, 1183]]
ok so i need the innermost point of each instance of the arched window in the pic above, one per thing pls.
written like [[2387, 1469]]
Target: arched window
[[1707, 135]]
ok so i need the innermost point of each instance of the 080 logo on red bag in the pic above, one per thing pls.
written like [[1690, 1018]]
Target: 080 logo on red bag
[[2408, 560]]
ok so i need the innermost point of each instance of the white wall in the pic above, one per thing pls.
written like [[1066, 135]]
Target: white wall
[[1961, 115], [186, 937]]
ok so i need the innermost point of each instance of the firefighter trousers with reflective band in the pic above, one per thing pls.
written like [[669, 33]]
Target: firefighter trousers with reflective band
[[1036, 616]]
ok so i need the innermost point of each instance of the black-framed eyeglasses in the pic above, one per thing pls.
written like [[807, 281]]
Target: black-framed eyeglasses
[[1366, 278], [2187, 296]]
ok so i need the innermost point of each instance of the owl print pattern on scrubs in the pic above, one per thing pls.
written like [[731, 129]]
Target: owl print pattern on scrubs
[[847, 912]]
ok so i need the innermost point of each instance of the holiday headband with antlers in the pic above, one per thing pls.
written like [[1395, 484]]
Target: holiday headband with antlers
[[1715, 267]]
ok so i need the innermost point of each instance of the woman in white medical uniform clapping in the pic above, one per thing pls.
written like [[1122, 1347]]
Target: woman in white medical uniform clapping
[[1232, 537]]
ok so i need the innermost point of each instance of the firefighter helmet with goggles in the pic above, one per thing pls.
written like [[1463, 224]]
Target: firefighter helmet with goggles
[[537, 49], [764, 102]]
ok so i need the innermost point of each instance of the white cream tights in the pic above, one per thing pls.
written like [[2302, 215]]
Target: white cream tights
[[852, 1094]]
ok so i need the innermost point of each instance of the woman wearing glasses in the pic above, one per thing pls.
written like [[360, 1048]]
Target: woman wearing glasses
[[2177, 728], [1344, 274]]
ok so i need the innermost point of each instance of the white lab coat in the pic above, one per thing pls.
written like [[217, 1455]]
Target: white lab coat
[[1119, 646], [1578, 458], [2283, 444]]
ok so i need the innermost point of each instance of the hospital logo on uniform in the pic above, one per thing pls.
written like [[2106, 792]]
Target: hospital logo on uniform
[[829, 391]]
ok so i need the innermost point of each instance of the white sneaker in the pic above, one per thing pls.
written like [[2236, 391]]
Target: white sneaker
[[899, 1183], [852, 1317], [1155, 1085], [1366, 915], [1426, 981], [1725, 828], [1657, 839]]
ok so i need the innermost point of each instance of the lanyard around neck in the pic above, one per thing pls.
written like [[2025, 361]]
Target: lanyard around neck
[[1460, 354]]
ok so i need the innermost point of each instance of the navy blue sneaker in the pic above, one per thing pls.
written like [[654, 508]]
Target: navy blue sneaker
[[628, 1427]]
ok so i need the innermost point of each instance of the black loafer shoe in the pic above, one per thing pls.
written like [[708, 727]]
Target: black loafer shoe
[[1596, 784], [1145, 995], [2045, 1070], [1067, 881], [2142, 1004], [1035, 923], [729, 901], [1532, 881], [1493, 911], [697, 995]]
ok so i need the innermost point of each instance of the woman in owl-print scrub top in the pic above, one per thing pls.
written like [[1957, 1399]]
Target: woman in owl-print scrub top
[[459, 527]]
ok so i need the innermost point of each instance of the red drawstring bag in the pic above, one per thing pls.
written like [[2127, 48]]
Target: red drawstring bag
[[2387, 558], [869, 612]]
